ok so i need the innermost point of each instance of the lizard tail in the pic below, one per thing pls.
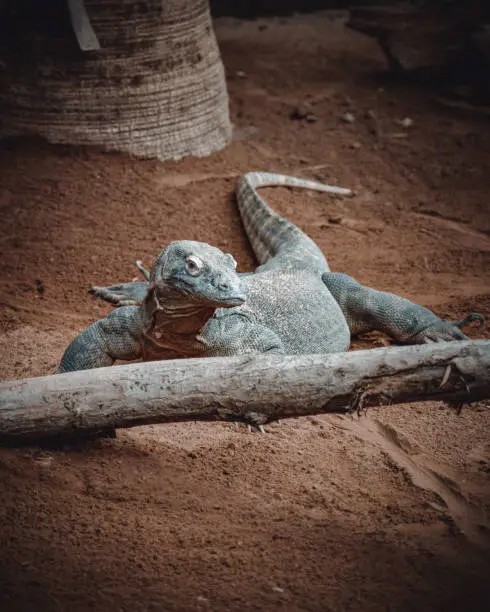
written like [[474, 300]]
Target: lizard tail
[[268, 232]]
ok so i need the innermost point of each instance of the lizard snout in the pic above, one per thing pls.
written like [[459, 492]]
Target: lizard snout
[[229, 290]]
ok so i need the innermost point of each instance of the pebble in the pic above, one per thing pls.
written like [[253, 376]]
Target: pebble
[[406, 122], [348, 118], [302, 113]]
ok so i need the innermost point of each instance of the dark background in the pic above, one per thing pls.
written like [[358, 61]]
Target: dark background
[[255, 8]]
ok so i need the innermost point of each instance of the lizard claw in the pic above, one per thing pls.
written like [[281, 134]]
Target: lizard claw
[[255, 420], [442, 331], [448, 331], [257, 427]]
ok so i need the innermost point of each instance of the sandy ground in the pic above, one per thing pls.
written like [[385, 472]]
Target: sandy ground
[[389, 512]]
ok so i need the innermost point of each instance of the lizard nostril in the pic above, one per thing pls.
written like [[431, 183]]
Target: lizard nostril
[[224, 286]]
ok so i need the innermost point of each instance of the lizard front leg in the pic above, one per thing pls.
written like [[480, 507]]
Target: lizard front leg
[[366, 309], [238, 333], [118, 336]]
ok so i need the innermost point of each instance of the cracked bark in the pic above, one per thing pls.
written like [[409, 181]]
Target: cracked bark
[[252, 389]]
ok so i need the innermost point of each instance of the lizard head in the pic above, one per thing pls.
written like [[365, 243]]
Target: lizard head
[[198, 272]]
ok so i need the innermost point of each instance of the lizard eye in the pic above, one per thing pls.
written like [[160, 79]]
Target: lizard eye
[[194, 265]]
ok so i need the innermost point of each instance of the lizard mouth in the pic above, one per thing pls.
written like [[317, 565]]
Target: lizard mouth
[[189, 299], [184, 293], [233, 300], [221, 298]]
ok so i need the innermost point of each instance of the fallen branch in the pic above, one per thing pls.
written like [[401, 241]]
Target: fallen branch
[[251, 389]]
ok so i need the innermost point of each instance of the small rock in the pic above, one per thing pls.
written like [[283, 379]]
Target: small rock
[[277, 589], [240, 74], [406, 122], [348, 118], [370, 114], [302, 113], [355, 145], [44, 461]]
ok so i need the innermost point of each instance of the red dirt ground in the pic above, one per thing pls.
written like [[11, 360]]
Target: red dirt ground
[[389, 512]]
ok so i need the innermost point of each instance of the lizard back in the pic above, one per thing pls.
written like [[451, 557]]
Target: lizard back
[[286, 293]]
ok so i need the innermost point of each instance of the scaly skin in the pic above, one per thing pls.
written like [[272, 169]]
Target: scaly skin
[[195, 304], [367, 309]]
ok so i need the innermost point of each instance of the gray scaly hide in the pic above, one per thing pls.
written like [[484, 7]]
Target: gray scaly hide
[[195, 303]]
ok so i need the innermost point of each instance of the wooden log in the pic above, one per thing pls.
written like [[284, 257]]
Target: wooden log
[[253, 389]]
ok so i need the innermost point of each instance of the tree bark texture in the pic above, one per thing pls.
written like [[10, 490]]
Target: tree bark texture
[[155, 88], [254, 389]]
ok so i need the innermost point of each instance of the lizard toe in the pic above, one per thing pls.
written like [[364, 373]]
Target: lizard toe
[[124, 294], [442, 332]]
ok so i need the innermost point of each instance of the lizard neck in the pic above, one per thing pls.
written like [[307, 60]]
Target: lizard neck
[[173, 320]]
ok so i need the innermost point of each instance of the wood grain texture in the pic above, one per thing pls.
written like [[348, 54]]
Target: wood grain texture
[[155, 87], [254, 389]]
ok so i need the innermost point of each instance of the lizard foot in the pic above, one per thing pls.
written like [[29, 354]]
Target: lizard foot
[[448, 331], [125, 294], [255, 421]]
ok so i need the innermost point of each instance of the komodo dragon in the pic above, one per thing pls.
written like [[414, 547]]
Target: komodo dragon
[[196, 304]]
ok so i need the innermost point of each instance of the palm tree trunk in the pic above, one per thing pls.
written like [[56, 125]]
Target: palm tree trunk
[[156, 88]]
